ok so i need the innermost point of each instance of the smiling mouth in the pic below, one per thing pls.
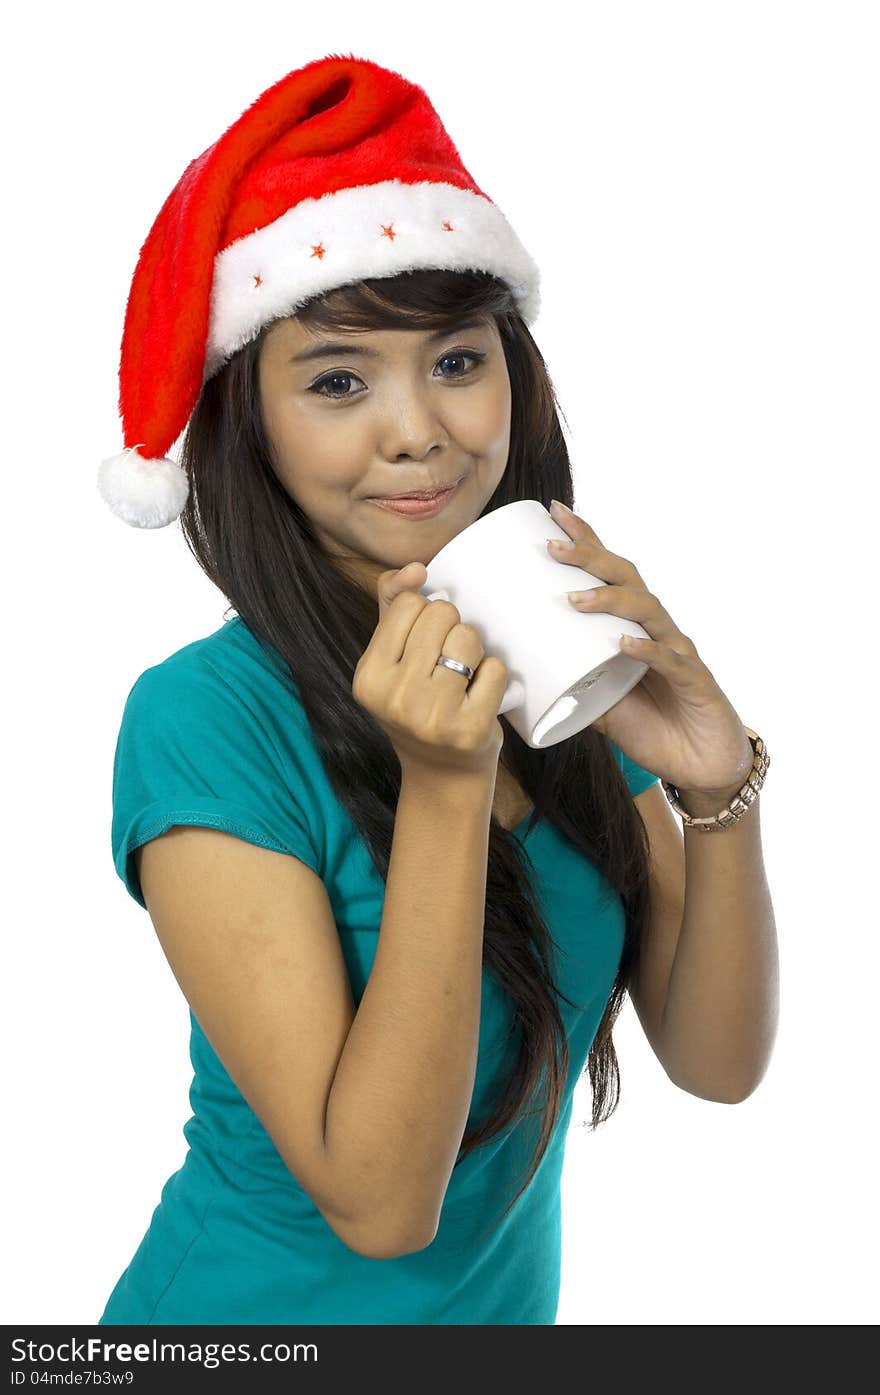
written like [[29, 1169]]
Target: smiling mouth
[[422, 493], [418, 506]]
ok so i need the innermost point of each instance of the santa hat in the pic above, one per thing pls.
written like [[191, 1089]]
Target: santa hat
[[340, 171]]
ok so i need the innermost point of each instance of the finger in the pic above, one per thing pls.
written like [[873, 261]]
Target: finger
[[391, 583], [683, 671], [450, 638], [588, 551], [595, 559], [488, 684], [400, 605], [572, 523], [634, 603]]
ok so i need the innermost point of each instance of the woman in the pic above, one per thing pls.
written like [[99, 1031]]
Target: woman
[[401, 931]]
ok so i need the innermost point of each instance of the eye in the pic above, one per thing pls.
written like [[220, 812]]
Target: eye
[[328, 379], [460, 354]]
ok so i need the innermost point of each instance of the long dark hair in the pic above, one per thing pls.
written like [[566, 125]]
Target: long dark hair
[[258, 547]]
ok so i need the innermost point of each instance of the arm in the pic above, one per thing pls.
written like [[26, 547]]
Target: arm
[[401, 1094], [366, 1106], [708, 980]]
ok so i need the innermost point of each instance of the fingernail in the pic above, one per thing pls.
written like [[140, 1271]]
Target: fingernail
[[557, 503], [560, 542]]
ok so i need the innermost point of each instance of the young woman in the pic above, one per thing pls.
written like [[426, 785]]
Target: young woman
[[402, 932]]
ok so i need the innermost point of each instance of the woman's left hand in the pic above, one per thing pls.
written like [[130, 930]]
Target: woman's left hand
[[676, 722]]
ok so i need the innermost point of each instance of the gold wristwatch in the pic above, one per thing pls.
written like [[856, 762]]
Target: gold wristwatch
[[739, 804]]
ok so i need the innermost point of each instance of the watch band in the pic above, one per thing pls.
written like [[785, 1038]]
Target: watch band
[[741, 801]]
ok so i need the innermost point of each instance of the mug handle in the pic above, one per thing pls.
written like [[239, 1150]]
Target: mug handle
[[515, 692]]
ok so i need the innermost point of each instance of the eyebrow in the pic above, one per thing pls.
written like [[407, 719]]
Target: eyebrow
[[333, 350]]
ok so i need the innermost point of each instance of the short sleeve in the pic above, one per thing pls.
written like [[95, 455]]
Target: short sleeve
[[189, 751], [636, 776]]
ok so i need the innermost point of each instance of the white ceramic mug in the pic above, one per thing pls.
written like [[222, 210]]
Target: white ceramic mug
[[566, 668]]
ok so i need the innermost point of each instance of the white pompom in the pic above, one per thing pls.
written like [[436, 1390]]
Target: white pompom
[[143, 493]]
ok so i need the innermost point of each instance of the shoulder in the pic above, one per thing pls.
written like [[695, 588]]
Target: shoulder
[[226, 653], [228, 675], [218, 713], [214, 735]]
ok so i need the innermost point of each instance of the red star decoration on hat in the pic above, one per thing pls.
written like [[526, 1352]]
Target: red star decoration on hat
[[388, 231], [318, 251]]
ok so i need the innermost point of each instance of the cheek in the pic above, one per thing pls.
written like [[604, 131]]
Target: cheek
[[488, 427], [317, 458]]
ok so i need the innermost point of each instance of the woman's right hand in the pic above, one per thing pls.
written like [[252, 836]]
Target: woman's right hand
[[433, 716]]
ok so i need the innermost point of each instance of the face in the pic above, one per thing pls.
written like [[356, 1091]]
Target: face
[[385, 412]]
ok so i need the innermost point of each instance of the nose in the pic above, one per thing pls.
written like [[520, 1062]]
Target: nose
[[412, 430]]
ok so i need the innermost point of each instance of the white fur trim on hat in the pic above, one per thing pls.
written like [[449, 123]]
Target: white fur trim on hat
[[353, 234], [143, 493]]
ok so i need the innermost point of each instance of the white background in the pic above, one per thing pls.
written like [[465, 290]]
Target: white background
[[698, 184]]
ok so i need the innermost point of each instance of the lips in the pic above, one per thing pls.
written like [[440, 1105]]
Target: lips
[[422, 493], [420, 506]]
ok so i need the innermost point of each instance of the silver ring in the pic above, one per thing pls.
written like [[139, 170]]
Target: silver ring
[[455, 666]]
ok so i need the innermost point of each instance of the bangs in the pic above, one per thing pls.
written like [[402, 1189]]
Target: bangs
[[424, 299]]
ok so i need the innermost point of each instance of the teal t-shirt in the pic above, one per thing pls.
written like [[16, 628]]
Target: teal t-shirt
[[216, 735]]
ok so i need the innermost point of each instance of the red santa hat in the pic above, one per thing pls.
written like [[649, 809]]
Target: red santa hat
[[340, 171]]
